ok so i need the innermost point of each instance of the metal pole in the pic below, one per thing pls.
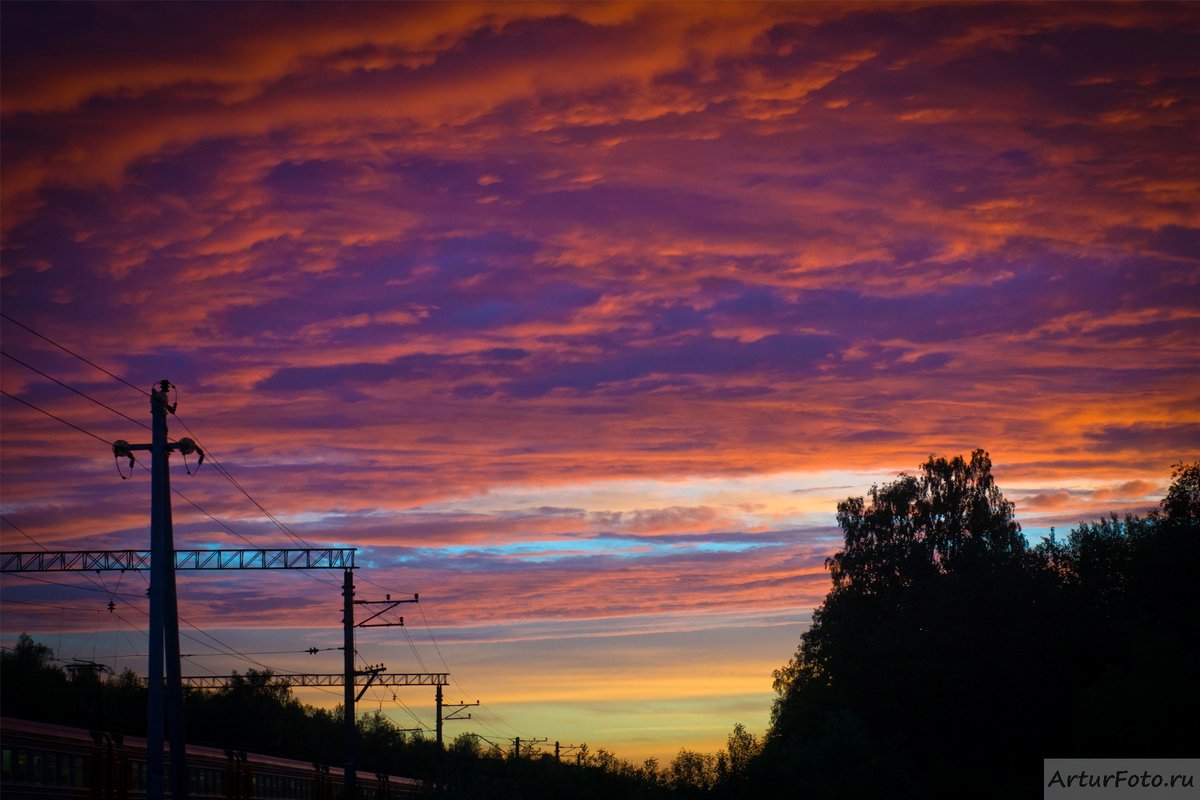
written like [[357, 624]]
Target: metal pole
[[348, 644], [164, 617], [175, 726], [158, 571], [439, 716]]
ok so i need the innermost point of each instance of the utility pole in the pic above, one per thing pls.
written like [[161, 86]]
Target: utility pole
[[559, 749], [529, 743], [455, 713], [350, 778], [164, 605]]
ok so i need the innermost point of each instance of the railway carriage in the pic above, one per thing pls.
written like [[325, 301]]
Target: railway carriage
[[40, 760]]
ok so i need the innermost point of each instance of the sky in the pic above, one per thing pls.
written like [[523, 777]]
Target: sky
[[577, 319]]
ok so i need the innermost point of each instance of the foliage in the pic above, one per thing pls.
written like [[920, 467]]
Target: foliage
[[258, 713], [947, 652]]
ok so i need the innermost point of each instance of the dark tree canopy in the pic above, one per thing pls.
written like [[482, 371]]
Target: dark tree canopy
[[949, 657], [951, 513], [1181, 506]]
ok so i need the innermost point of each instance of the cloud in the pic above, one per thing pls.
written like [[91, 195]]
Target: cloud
[[1048, 501], [1129, 490], [1152, 436]]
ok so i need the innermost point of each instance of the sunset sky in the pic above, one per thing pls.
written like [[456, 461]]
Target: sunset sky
[[578, 318]]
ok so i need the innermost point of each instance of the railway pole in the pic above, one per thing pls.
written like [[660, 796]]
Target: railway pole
[[164, 606], [438, 701], [350, 778]]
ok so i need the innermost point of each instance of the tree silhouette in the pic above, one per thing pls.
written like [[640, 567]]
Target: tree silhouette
[[949, 657]]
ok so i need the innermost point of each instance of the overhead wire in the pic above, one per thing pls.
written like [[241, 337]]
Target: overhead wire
[[54, 416], [72, 352], [69, 586], [429, 630], [221, 469], [234, 482], [68, 387], [229, 650]]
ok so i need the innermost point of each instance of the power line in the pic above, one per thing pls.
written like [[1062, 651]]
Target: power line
[[55, 417], [224, 472], [413, 647], [265, 652], [442, 658], [221, 469], [147, 469], [72, 352], [10, 601], [18, 529], [82, 394], [446, 666], [100, 589], [232, 480], [136, 422], [228, 650]]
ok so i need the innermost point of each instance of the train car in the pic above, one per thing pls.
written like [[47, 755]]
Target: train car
[[40, 760]]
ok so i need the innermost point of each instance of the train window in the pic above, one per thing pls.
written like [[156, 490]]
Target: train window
[[6, 764], [36, 768], [202, 780], [20, 766], [195, 780], [71, 770]]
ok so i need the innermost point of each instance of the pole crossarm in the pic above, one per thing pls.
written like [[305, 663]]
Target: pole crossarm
[[123, 560], [335, 679], [456, 711], [388, 605]]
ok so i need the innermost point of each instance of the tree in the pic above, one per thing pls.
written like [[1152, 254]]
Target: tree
[[915, 641], [32, 686], [1131, 626], [1181, 506], [467, 745], [917, 526], [947, 652]]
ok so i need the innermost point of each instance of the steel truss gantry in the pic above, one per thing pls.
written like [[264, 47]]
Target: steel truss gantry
[[125, 560], [327, 679]]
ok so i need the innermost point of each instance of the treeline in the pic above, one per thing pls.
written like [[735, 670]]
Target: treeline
[[948, 659], [259, 714]]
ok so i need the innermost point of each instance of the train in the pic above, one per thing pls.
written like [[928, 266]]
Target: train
[[42, 761]]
